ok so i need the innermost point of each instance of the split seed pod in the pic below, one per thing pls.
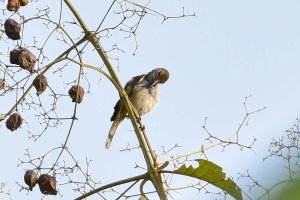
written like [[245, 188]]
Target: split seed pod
[[40, 83], [76, 93], [12, 29], [23, 2], [13, 5], [47, 184], [30, 179], [2, 84], [24, 58], [14, 121]]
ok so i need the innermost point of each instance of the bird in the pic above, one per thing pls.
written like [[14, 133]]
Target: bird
[[142, 92]]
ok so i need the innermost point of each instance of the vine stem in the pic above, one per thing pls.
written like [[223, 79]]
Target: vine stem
[[155, 177], [128, 180]]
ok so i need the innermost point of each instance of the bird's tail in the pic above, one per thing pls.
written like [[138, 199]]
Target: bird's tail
[[112, 132]]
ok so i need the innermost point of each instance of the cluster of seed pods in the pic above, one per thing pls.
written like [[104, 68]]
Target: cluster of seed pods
[[47, 183], [24, 58]]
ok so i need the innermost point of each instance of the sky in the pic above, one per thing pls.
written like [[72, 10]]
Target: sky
[[229, 50]]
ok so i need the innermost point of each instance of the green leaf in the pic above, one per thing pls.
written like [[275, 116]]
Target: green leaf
[[213, 174], [289, 190]]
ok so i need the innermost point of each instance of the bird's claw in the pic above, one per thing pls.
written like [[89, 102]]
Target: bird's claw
[[142, 128]]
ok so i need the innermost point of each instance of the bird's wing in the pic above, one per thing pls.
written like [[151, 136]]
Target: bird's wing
[[132, 83], [117, 110], [128, 88]]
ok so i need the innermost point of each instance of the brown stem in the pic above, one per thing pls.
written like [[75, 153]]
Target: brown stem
[[128, 180]]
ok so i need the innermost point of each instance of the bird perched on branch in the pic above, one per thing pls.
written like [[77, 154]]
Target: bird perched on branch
[[142, 92]]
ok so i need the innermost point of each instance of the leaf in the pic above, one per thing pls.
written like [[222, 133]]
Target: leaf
[[213, 174], [289, 190]]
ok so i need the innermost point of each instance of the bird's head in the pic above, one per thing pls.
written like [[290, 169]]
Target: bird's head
[[156, 76], [162, 75]]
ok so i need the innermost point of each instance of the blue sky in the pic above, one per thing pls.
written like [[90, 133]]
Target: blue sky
[[231, 49]]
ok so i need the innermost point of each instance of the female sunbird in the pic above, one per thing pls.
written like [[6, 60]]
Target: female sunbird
[[142, 92]]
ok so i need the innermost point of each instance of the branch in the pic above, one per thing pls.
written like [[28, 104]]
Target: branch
[[226, 140], [135, 178]]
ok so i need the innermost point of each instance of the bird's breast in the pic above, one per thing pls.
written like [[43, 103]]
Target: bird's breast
[[144, 99]]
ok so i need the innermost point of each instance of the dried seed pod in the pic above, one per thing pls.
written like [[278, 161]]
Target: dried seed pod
[[14, 121], [40, 83], [47, 184], [76, 92], [23, 2], [13, 5], [2, 84], [24, 58], [12, 29], [30, 179]]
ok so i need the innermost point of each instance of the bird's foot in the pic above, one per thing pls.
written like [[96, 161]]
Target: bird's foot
[[142, 128]]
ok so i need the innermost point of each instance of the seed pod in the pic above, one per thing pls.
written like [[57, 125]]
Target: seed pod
[[76, 92], [2, 84], [23, 2], [13, 5], [14, 121], [24, 58], [12, 29], [30, 179], [40, 83], [47, 184]]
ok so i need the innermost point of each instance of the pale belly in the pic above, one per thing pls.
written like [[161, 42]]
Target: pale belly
[[144, 102]]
